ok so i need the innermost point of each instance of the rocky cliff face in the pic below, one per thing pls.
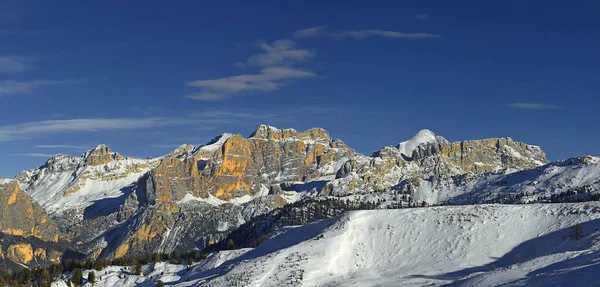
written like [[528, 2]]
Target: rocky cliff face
[[23, 224], [432, 159], [112, 206], [20, 216], [232, 166]]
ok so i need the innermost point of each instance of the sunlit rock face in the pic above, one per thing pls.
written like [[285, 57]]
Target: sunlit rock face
[[20, 216], [233, 166], [427, 157]]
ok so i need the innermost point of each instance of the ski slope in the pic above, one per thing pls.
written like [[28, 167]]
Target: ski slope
[[462, 245]]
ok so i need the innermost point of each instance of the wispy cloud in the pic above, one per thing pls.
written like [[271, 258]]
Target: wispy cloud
[[278, 66], [362, 34], [202, 120], [422, 16], [11, 87], [43, 128], [316, 31], [282, 52], [165, 146], [321, 31], [533, 106], [59, 146], [28, 32], [11, 64], [225, 114], [44, 155], [206, 96], [266, 80]]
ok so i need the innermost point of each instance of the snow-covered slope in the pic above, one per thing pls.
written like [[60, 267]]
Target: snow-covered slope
[[406, 148], [577, 178], [466, 245], [413, 247], [71, 183]]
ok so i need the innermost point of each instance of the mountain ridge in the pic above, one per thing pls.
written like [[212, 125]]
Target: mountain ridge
[[112, 206]]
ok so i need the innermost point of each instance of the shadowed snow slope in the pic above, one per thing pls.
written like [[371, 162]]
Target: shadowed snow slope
[[414, 247], [462, 245]]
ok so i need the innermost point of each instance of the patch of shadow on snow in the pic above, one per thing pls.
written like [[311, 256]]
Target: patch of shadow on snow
[[107, 206], [287, 238], [552, 243]]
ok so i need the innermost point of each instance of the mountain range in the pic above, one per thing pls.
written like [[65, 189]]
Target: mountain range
[[106, 205]]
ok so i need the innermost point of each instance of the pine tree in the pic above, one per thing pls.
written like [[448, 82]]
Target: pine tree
[[99, 265], [230, 244], [577, 232], [138, 269], [160, 284], [92, 277], [77, 277], [190, 262], [517, 259]]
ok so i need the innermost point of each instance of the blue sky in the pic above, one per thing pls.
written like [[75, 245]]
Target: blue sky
[[147, 76]]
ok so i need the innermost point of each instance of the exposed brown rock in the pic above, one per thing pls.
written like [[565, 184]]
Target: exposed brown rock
[[100, 155], [21, 217], [243, 166], [21, 252]]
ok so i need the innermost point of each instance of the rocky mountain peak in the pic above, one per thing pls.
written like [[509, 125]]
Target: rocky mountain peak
[[272, 133], [423, 137], [61, 162], [182, 150], [99, 155]]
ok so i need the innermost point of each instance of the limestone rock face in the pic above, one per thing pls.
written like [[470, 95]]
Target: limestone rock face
[[22, 253], [183, 226], [485, 155], [233, 166], [433, 159], [100, 155], [20, 216]]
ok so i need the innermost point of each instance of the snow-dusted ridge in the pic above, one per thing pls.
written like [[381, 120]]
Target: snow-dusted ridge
[[425, 136], [67, 182]]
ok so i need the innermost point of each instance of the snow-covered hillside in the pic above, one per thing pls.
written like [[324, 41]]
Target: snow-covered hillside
[[65, 182], [503, 245], [580, 176]]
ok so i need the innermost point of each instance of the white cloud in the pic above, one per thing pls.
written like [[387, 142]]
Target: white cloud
[[279, 63], [278, 67], [267, 79], [362, 34], [320, 31], [282, 52], [316, 31], [206, 96], [533, 106], [41, 128], [224, 114], [11, 87], [44, 155], [165, 146], [422, 16], [12, 64]]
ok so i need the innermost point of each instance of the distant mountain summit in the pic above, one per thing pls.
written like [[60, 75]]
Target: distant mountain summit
[[423, 137], [110, 206]]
